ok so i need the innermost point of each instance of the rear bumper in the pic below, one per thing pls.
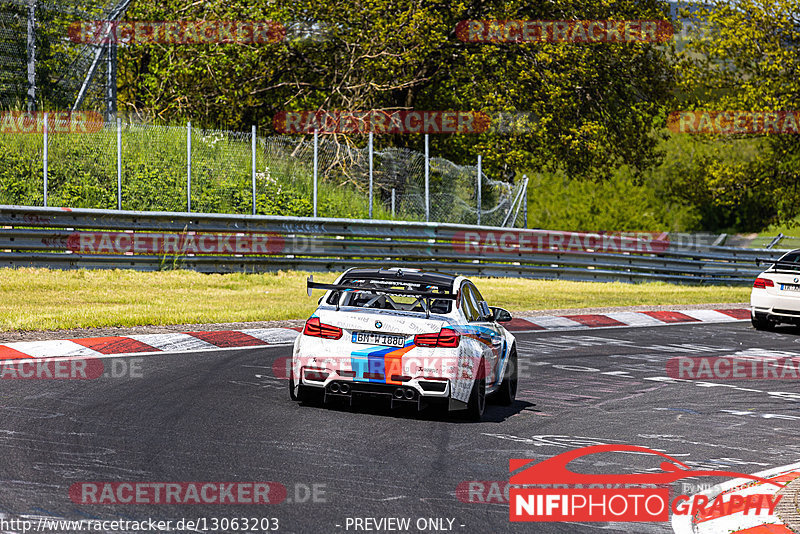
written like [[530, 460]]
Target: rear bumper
[[416, 391], [775, 307]]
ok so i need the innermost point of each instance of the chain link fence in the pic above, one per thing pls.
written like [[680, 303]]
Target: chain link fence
[[145, 167], [399, 181], [35, 45]]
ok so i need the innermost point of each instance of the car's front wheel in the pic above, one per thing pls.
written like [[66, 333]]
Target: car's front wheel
[[761, 322]]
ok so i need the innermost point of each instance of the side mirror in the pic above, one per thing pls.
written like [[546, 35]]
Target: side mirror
[[499, 315]]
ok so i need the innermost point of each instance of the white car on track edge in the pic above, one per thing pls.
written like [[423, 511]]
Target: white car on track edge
[[407, 336], [775, 297]]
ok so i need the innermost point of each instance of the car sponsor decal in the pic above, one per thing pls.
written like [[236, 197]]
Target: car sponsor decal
[[377, 364]]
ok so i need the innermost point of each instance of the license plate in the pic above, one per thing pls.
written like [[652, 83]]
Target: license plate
[[371, 338], [790, 287]]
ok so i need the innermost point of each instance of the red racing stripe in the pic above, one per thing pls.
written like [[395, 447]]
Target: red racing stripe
[[671, 317], [594, 320], [228, 338], [7, 353], [114, 345], [737, 313], [516, 324]]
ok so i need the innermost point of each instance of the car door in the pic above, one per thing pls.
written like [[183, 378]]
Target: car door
[[485, 329]]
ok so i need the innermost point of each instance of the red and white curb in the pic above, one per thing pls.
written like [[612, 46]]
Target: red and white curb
[[740, 521], [238, 339], [148, 343], [626, 319]]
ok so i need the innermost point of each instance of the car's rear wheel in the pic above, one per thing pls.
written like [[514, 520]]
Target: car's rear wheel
[[477, 398], [762, 322], [507, 391], [294, 396]]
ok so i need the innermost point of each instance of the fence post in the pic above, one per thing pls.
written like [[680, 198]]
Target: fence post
[[393, 190], [525, 202], [188, 166], [253, 165], [31, 55], [44, 162], [119, 163], [370, 175], [316, 148], [427, 183], [479, 190]]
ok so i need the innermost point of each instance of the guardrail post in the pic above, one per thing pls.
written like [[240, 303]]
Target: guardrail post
[[427, 183], [316, 165], [188, 166], [775, 240], [479, 190], [44, 157], [119, 163], [253, 164], [370, 175]]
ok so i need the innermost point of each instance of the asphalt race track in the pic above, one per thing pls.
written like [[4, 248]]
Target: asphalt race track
[[225, 416]]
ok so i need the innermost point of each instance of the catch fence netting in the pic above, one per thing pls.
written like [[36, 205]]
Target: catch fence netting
[[178, 168]]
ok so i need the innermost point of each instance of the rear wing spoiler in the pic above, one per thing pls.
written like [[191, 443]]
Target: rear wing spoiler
[[793, 264], [311, 284], [421, 295]]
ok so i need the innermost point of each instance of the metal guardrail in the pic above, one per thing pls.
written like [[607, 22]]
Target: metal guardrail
[[107, 239]]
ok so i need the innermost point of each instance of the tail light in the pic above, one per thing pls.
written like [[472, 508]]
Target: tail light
[[446, 338], [315, 328], [763, 283]]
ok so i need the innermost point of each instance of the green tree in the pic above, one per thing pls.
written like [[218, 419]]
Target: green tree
[[745, 59], [596, 104]]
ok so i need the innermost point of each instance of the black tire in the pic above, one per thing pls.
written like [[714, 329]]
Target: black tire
[[292, 395], [507, 391], [761, 322], [477, 397]]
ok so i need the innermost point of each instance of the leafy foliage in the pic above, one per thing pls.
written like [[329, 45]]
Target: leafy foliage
[[596, 104], [747, 60]]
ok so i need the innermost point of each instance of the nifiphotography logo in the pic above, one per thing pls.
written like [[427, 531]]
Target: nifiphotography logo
[[617, 497]]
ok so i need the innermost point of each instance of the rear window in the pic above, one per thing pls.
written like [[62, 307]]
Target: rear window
[[373, 297], [792, 257]]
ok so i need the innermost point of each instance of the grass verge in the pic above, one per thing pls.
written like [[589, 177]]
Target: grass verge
[[42, 299]]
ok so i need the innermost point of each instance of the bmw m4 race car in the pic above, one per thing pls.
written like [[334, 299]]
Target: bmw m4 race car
[[775, 297], [409, 337]]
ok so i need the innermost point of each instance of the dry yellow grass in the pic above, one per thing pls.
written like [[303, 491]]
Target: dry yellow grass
[[42, 299]]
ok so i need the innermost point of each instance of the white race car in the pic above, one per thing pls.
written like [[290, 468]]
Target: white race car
[[408, 336], [775, 297]]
